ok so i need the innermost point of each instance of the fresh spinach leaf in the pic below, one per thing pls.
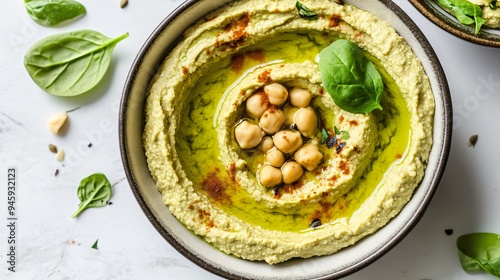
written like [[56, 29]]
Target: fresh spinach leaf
[[480, 251], [350, 77], [94, 191], [70, 64], [304, 12], [466, 12], [53, 12]]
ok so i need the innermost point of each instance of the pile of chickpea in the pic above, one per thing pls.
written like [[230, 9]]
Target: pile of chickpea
[[283, 126]]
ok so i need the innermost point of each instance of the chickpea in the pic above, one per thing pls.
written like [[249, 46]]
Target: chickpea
[[270, 176], [287, 141], [308, 156], [276, 93], [300, 97], [291, 172], [289, 112], [275, 157], [266, 144], [306, 121], [272, 120], [257, 104], [248, 135]]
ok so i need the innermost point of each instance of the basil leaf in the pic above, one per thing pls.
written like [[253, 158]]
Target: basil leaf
[[304, 12], [70, 64], [480, 251], [53, 12], [465, 12], [94, 191], [350, 77]]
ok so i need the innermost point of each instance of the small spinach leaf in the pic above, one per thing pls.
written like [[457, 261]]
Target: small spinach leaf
[[53, 12], [350, 77], [466, 12], [94, 191], [304, 12], [70, 64], [480, 251]]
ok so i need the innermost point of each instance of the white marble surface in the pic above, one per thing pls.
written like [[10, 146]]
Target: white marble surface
[[52, 245]]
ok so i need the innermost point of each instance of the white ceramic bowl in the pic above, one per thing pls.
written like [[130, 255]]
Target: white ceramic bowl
[[337, 265]]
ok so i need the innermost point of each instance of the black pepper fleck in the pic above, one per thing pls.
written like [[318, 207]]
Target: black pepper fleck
[[89, 145], [340, 147], [332, 141], [448, 231], [316, 223], [473, 140], [57, 172]]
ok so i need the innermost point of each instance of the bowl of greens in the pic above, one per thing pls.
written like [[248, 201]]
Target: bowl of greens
[[472, 22]]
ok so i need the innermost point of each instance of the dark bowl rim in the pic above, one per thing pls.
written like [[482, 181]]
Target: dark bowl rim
[[398, 237], [455, 28]]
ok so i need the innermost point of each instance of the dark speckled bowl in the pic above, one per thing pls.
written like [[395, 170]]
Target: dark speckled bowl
[[436, 14], [348, 260]]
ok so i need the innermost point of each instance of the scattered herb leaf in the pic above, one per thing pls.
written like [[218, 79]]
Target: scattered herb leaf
[[473, 140], [350, 77], [466, 12], [95, 245], [345, 135], [53, 12], [72, 63], [304, 12], [480, 251], [94, 191], [324, 136]]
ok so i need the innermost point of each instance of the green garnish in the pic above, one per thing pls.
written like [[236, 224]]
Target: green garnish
[[94, 191], [350, 77], [324, 136], [466, 12], [480, 251], [53, 12], [95, 245], [304, 12], [493, 4], [72, 63]]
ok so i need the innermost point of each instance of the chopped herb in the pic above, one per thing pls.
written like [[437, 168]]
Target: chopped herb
[[448, 231], [324, 136], [331, 142], [345, 135], [95, 245], [336, 130], [74, 109], [316, 223], [53, 148], [493, 5], [473, 140], [304, 12]]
